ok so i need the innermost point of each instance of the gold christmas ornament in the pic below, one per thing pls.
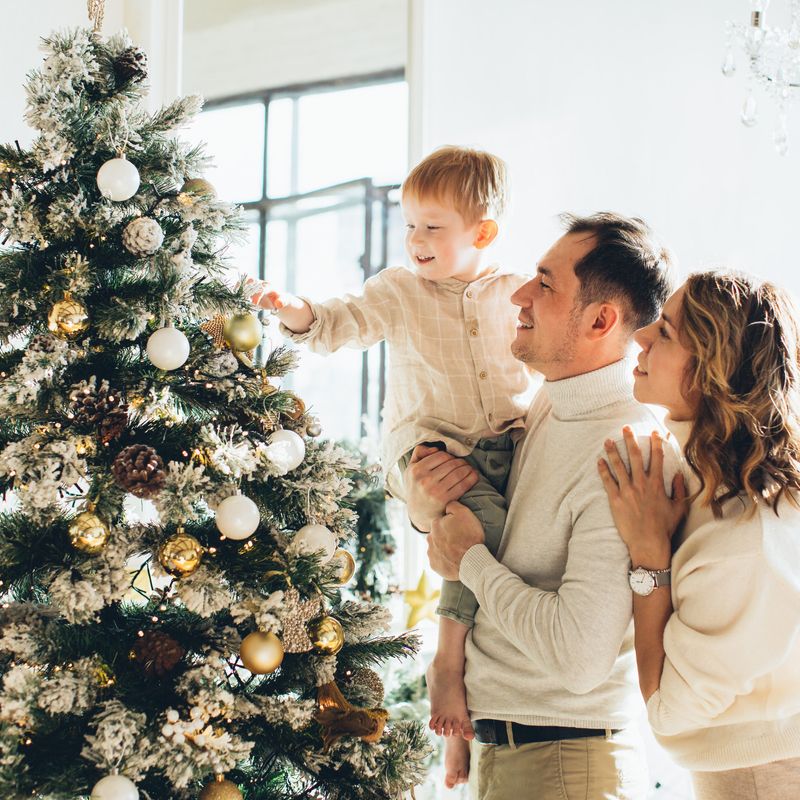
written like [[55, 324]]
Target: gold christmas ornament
[[181, 554], [346, 565], [295, 617], [199, 186], [243, 332], [261, 652], [220, 789], [339, 718], [68, 318], [215, 328], [327, 635], [88, 533], [423, 601]]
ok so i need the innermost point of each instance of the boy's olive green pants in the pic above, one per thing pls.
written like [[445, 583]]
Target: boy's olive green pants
[[492, 459]]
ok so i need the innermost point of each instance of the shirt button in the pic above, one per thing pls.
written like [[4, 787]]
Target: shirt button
[[469, 442], [473, 332], [469, 294], [483, 375]]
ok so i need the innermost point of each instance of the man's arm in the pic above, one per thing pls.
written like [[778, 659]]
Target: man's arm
[[576, 631]]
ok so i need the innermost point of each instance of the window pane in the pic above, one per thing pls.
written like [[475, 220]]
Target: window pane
[[235, 141], [353, 133], [242, 256], [328, 249], [279, 148]]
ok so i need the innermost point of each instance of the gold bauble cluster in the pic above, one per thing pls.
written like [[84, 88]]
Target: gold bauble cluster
[[68, 318], [243, 332], [346, 564], [220, 789], [88, 533], [261, 652], [327, 635], [181, 554]]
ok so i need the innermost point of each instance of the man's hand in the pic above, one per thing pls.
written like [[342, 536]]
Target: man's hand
[[450, 538], [433, 479]]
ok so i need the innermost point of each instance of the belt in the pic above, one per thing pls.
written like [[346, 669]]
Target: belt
[[495, 731]]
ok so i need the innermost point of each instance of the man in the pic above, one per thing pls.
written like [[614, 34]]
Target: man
[[550, 675]]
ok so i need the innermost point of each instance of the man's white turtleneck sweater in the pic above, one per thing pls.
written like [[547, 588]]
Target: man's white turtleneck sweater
[[552, 642]]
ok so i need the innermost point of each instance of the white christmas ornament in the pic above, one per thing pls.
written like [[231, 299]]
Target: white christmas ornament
[[312, 538], [118, 179], [114, 787], [237, 517], [293, 445], [168, 348], [142, 236]]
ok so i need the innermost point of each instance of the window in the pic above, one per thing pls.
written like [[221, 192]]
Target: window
[[316, 170]]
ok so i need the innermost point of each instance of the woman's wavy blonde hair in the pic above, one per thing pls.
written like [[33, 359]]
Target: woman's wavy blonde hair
[[744, 369]]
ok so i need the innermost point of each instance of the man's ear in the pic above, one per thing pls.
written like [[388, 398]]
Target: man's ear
[[487, 233], [607, 317]]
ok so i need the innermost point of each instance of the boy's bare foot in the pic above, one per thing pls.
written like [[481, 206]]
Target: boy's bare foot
[[449, 714], [456, 761]]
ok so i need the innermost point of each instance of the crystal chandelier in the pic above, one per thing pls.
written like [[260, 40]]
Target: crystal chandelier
[[773, 58]]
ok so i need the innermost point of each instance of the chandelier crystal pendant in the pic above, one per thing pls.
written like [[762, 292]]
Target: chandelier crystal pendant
[[773, 58]]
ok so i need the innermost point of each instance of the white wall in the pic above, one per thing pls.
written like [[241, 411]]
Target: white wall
[[247, 45], [154, 24], [615, 105]]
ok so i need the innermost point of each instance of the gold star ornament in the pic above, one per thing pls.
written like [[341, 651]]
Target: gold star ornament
[[422, 601]]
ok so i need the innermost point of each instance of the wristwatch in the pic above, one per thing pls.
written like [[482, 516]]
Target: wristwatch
[[644, 581]]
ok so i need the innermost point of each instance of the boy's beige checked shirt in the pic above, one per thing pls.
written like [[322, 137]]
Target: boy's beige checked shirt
[[451, 376]]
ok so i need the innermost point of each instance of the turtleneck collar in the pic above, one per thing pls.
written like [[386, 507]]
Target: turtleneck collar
[[584, 394]]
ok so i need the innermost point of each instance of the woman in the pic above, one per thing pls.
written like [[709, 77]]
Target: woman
[[718, 652]]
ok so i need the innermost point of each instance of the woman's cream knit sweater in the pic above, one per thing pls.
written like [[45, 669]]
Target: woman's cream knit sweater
[[730, 689]]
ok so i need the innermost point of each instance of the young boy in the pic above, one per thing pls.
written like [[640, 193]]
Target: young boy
[[453, 383]]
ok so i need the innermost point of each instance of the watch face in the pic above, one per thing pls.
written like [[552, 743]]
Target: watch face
[[642, 582]]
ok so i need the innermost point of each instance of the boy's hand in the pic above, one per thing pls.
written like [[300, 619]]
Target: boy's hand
[[263, 296]]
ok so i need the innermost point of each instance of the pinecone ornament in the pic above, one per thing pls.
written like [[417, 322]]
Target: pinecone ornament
[[130, 66], [91, 404], [363, 687], [139, 470], [142, 236], [112, 426], [157, 653]]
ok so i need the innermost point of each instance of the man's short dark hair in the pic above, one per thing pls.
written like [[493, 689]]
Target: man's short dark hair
[[626, 264]]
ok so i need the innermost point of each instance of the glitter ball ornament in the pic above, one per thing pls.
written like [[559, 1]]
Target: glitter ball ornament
[[114, 787], [199, 186], [364, 686], [346, 566], [168, 348], [315, 538], [88, 533], [68, 318], [295, 616], [118, 179], [142, 236], [243, 332], [237, 517], [293, 444], [327, 635], [180, 555], [261, 652], [220, 789]]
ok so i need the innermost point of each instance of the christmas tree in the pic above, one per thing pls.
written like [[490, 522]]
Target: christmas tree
[[173, 622]]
